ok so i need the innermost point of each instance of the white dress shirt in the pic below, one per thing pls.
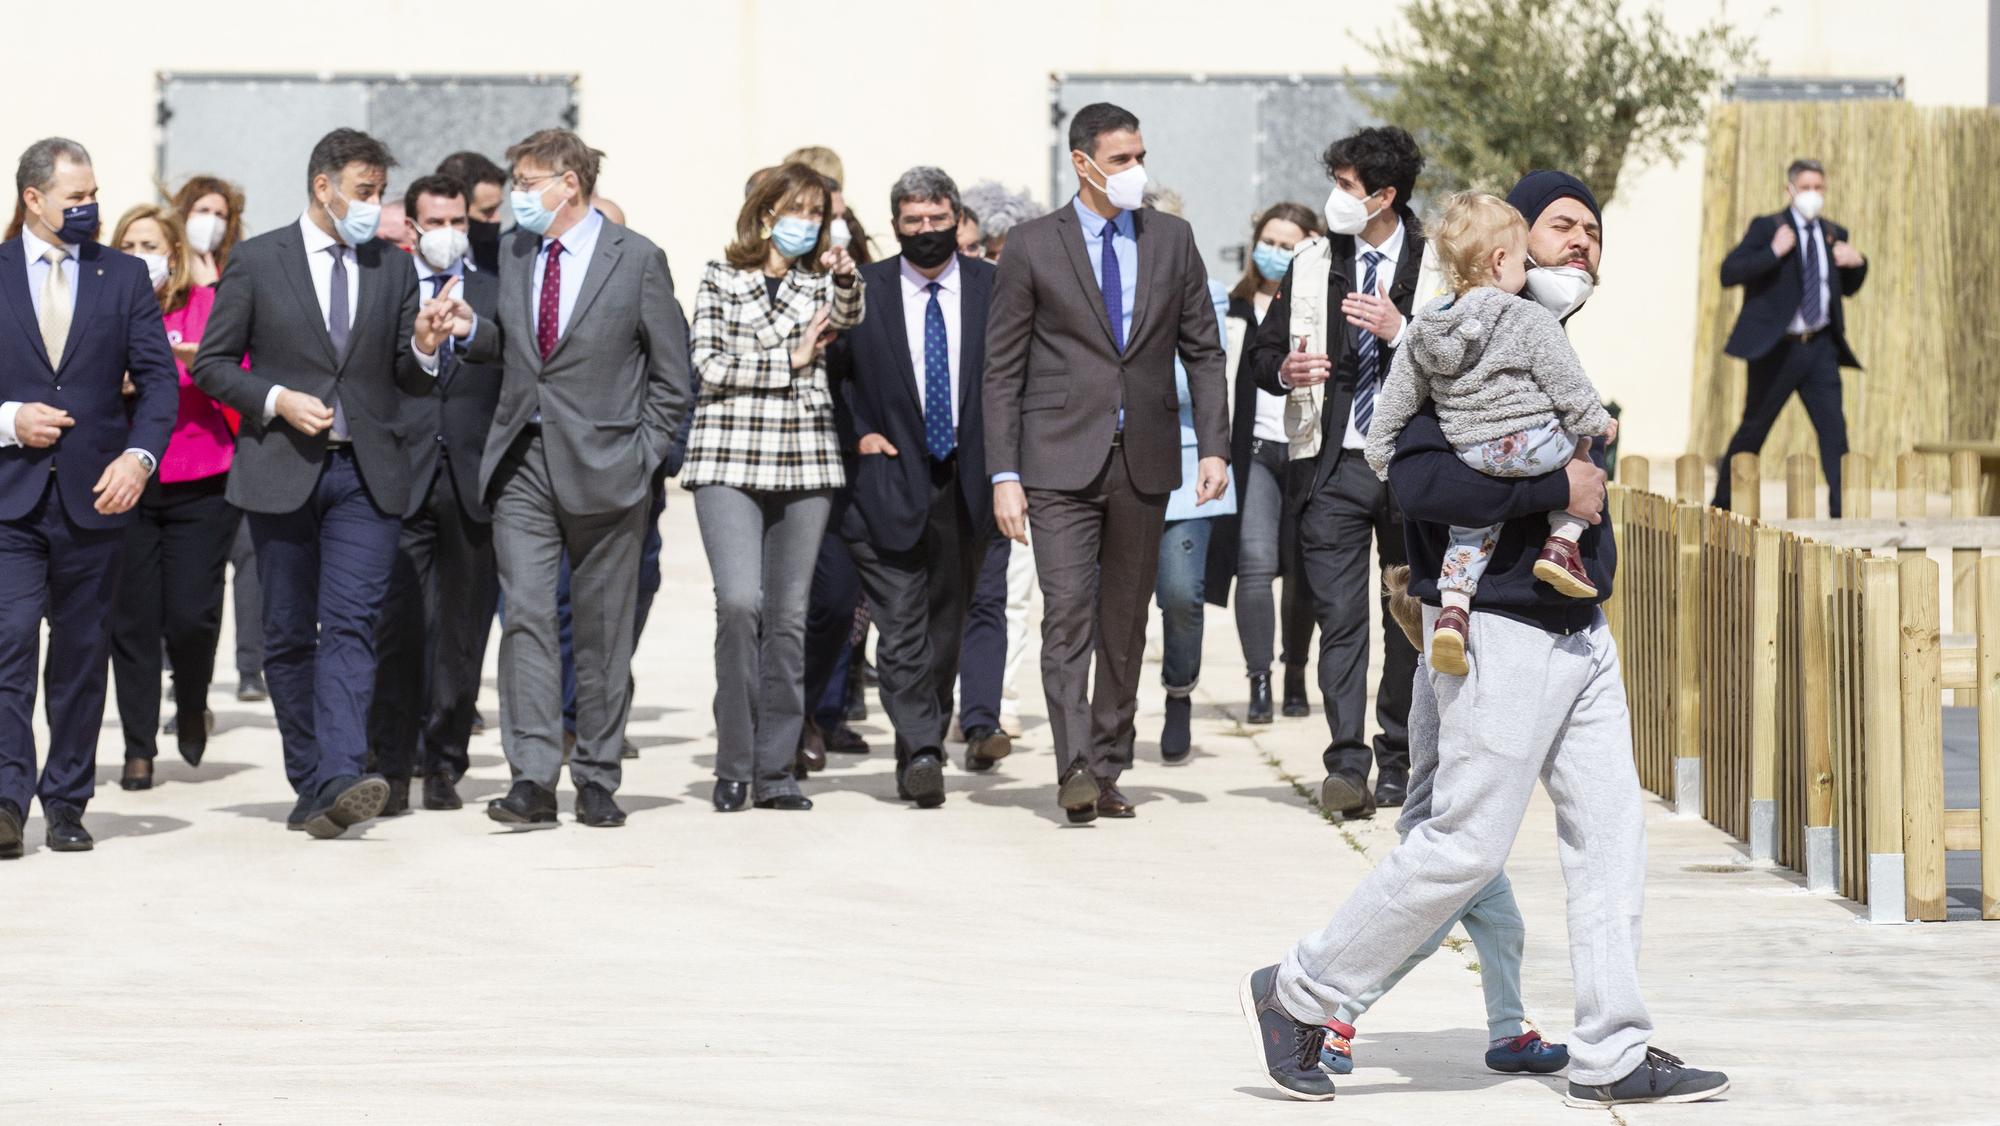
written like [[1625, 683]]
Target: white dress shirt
[[33, 248], [917, 299], [319, 264], [1270, 425], [1385, 273], [1820, 257]]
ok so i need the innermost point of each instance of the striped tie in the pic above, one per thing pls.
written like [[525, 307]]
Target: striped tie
[[1367, 354]]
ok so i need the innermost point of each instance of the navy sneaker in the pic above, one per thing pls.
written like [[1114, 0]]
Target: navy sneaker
[[1527, 1052], [1287, 1051], [1659, 1078]]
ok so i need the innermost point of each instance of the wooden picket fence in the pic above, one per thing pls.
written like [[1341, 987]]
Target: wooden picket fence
[[1787, 687]]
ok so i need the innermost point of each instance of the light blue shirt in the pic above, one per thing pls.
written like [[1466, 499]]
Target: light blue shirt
[[1125, 247], [1181, 503], [578, 244]]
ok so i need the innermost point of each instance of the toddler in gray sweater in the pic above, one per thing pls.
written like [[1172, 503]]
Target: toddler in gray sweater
[[1510, 393]]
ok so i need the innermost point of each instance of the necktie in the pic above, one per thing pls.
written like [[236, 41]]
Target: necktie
[[55, 305], [551, 307], [1113, 287], [338, 321], [1809, 303], [1367, 353], [437, 283], [940, 436]]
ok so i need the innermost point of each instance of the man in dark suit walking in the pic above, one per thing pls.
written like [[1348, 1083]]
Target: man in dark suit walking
[[1090, 306], [1795, 268], [72, 465], [1372, 257], [325, 311], [594, 354], [921, 516], [443, 588]]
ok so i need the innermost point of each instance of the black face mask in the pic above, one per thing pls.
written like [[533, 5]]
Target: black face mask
[[930, 248], [484, 238]]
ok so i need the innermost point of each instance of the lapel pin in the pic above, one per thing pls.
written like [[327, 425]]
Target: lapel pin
[[100, 271]]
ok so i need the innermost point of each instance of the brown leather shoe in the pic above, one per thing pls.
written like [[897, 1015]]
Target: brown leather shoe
[[1561, 566], [1111, 802], [812, 750], [1078, 795], [1448, 641], [844, 740]]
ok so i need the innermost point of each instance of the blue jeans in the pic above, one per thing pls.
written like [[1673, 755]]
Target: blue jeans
[[1179, 592]]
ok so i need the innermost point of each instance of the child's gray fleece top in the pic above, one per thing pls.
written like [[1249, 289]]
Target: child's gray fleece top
[[1495, 364]]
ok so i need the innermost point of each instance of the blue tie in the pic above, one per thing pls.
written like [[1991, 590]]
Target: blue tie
[[1367, 354], [1809, 303], [1114, 289], [940, 436]]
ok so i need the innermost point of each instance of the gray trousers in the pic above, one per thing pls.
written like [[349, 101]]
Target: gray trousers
[[1107, 531], [918, 600], [530, 533], [1534, 704], [761, 547]]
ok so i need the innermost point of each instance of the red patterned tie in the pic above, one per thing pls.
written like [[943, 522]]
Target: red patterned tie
[[551, 308]]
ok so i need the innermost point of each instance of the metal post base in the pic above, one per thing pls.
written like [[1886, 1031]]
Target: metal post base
[[1885, 888], [1764, 831], [1822, 859], [1687, 787]]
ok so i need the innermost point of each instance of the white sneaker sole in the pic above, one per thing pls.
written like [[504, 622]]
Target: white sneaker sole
[[1693, 1097], [1246, 1000]]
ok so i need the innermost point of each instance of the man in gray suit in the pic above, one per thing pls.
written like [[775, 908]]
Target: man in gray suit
[[325, 311], [1091, 305], [597, 380]]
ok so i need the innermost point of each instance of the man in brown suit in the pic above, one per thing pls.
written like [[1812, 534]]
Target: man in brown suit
[[1091, 305]]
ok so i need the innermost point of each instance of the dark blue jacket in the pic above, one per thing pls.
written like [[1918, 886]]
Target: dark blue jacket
[[115, 329], [877, 394], [1437, 490], [1774, 286]]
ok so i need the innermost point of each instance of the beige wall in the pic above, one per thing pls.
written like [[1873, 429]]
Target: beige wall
[[687, 98]]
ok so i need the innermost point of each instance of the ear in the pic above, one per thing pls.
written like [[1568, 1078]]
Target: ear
[[1389, 197]]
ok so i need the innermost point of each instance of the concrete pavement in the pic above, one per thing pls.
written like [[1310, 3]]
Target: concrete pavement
[[867, 962]]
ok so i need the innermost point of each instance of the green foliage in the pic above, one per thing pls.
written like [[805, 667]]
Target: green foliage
[[1494, 88]]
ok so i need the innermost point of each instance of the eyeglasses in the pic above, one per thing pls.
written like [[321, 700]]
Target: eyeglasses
[[528, 184], [918, 224]]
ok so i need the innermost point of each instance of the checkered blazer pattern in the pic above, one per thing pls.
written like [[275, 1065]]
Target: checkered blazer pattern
[[758, 425]]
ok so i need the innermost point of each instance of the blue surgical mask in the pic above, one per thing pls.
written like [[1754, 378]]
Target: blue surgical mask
[[79, 224], [794, 236], [1271, 261], [530, 212], [363, 219]]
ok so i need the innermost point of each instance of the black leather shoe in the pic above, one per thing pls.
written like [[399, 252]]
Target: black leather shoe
[[627, 750], [398, 802], [1296, 701], [192, 745], [985, 746], [1176, 742], [1260, 698], [1078, 795], [296, 819], [730, 797], [844, 740], [923, 779], [251, 689], [138, 774], [595, 808], [526, 806], [439, 793], [791, 803], [10, 831], [346, 802], [1391, 788], [66, 831], [1346, 795]]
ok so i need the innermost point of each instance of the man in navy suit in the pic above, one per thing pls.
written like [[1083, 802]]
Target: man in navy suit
[[1794, 268], [327, 313], [73, 460], [921, 517]]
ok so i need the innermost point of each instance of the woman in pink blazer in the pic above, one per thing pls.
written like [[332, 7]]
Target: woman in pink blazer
[[175, 550]]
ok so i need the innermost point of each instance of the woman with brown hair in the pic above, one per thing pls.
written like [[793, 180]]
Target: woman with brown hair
[[763, 461], [1268, 529], [176, 546], [211, 212]]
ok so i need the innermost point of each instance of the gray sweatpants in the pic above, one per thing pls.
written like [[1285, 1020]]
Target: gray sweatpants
[[1533, 704]]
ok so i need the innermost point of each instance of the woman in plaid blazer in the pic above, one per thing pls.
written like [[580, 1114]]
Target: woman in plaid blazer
[[763, 461]]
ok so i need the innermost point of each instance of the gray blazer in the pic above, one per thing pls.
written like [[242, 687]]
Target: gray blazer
[[1054, 380], [265, 306], [614, 391]]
